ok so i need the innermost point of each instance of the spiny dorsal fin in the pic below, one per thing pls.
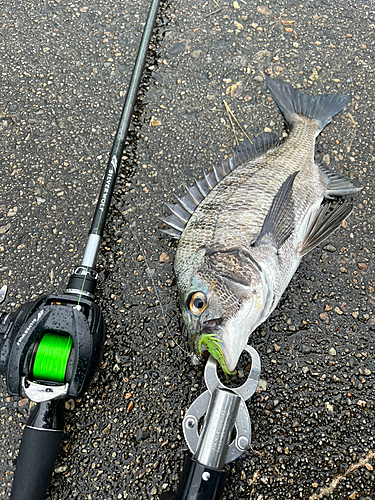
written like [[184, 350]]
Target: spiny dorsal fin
[[246, 151], [324, 224], [279, 222], [339, 184]]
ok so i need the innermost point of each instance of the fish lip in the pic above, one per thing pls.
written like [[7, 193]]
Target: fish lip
[[210, 325], [228, 361], [194, 341], [232, 356]]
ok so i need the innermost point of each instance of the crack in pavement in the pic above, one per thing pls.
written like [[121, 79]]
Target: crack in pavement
[[328, 489]]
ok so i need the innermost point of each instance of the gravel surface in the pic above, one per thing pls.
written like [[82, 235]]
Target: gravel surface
[[65, 67]]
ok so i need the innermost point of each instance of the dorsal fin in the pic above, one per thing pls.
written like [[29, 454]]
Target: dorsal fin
[[184, 209], [249, 150]]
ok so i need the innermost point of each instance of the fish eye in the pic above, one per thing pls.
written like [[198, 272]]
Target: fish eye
[[197, 303]]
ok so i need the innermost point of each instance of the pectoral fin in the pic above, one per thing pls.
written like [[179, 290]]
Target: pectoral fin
[[279, 222], [325, 222]]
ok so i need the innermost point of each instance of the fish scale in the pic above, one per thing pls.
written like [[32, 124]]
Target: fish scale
[[250, 200], [245, 227]]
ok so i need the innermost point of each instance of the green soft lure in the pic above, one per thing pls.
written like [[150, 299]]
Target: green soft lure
[[211, 343]]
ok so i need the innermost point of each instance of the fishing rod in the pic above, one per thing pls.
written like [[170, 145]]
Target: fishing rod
[[51, 347], [203, 475]]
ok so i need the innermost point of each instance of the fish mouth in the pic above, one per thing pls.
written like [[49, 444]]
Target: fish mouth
[[208, 327], [195, 342], [230, 367], [205, 343], [211, 324]]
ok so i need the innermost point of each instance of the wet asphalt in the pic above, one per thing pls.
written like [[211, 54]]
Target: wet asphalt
[[65, 66]]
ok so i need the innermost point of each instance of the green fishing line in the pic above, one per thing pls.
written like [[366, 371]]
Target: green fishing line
[[51, 357]]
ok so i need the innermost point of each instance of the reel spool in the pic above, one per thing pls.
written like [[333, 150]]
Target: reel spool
[[50, 357]]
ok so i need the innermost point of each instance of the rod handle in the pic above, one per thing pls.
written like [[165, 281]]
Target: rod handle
[[38, 452]]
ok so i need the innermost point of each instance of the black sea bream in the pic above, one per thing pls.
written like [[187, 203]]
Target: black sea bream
[[245, 227]]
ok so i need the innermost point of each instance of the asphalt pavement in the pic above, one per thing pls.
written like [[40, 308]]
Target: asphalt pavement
[[65, 67]]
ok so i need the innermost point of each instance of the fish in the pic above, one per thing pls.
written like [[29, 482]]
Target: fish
[[3, 293], [244, 228]]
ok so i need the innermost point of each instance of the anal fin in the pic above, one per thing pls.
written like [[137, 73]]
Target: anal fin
[[325, 222], [339, 184]]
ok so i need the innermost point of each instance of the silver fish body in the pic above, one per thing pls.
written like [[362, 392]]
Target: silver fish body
[[245, 227]]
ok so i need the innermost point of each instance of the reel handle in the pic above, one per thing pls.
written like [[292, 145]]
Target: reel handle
[[38, 452]]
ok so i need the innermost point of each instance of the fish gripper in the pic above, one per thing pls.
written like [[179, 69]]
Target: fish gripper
[[223, 407]]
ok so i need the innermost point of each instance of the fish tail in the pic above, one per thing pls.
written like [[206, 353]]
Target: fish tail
[[321, 108]]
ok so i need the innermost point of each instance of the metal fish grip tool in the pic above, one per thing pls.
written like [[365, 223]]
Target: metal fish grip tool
[[224, 408], [51, 347]]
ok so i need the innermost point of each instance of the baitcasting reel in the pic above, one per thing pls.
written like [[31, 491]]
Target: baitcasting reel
[[50, 349]]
